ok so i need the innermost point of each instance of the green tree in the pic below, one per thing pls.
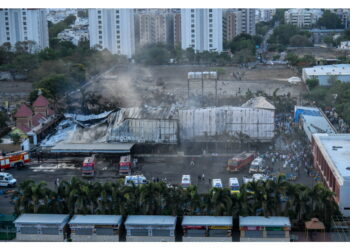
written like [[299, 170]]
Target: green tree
[[3, 119], [329, 20], [54, 85], [299, 41], [312, 83], [83, 13], [16, 138]]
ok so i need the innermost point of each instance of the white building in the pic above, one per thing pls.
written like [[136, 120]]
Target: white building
[[112, 29], [325, 72], [201, 29], [264, 15], [74, 35], [302, 17], [20, 25], [331, 156], [345, 45]]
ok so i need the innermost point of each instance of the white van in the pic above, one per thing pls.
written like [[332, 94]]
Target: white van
[[256, 166], [136, 179], [185, 181], [7, 180], [216, 183], [234, 185]]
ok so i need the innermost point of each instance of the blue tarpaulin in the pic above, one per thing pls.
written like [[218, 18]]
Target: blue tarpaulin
[[298, 112]]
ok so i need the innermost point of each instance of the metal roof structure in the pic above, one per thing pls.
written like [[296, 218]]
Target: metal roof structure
[[336, 151], [92, 148], [207, 221], [335, 69], [153, 220], [273, 221], [96, 220], [53, 219], [259, 102], [316, 124]]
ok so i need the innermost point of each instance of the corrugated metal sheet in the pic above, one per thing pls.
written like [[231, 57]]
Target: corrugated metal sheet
[[42, 219], [96, 220], [207, 221], [153, 220], [273, 221], [257, 123]]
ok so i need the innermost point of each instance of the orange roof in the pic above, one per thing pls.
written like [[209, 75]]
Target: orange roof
[[41, 101], [23, 111], [36, 119]]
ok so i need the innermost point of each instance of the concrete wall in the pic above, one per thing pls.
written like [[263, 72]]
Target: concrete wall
[[150, 239], [94, 238]]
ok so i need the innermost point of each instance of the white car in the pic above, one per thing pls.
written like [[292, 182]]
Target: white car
[[216, 183], [7, 180], [256, 166], [186, 181]]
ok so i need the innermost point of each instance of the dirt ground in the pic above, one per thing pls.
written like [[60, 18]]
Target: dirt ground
[[326, 53], [136, 85]]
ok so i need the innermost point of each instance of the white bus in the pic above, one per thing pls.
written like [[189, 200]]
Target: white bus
[[234, 185]]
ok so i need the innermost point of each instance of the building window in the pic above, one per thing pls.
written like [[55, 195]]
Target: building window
[[192, 41], [23, 13], [117, 21], [192, 10], [192, 36], [210, 10], [25, 28], [118, 26], [25, 38], [118, 37], [24, 18], [192, 31], [8, 33], [210, 35], [6, 13], [99, 17], [100, 37], [192, 25], [99, 22], [117, 16], [100, 32], [210, 15], [118, 31], [118, 47], [210, 40], [6, 18], [7, 23], [8, 39], [100, 27], [192, 15], [7, 28], [210, 30], [210, 20], [100, 42], [210, 45], [24, 23]]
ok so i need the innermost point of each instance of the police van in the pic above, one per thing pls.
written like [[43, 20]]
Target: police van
[[7, 180]]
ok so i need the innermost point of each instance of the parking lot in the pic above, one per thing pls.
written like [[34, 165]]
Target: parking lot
[[156, 167]]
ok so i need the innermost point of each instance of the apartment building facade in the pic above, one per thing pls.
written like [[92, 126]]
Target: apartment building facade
[[112, 29], [302, 17], [238, 21], [155, 27], [24, 25], [201, 29]]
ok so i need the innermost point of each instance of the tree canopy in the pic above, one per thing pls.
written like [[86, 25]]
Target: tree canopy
[[329, 20]]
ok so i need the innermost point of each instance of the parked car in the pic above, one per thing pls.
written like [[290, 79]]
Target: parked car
[[7, 180], [216, 183]]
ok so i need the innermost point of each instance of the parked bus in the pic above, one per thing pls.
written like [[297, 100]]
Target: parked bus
[[234, 185], [88, 168]]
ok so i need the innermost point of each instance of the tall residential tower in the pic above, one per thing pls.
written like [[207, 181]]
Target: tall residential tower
[[201, 29], [112, 29], [21, 25]]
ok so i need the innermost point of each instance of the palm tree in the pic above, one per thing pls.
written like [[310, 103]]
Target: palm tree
[[221, 201]]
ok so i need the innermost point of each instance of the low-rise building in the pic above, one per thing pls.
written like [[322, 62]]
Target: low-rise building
[[312, 120], [331, 156], [260, 228], [302, 17], [344, 45], [41, 227], [325, 72], [207, 228], [150, 228], [95, 227]]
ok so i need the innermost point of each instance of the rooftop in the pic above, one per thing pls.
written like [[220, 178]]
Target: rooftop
[[335, 69], [92, 148], [23, 111], [41, 101], [96, 219], [258, 102], [150, 220], [273, 221], [42, 219], [337, 148], [318, 124], [207, 221]]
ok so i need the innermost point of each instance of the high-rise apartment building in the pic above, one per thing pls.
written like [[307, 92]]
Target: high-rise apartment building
[[201, 29], [155, 26], [177, 29], [112, 29], [264, 15], [20, 25], [302, 17], [238, 21]]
